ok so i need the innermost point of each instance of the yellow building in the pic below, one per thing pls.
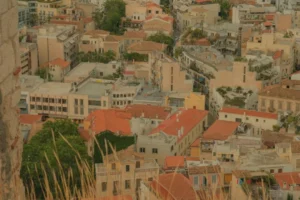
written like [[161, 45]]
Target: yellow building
[[195, 148], [186, 100]]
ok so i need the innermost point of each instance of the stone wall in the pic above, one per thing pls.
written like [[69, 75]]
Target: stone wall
[[11, 142]]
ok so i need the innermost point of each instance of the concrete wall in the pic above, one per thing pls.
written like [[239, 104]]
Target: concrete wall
[[11, 139]]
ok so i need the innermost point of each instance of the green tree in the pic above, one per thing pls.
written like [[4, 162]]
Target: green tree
[[178, 52], [33, 19], [96, 56], [109, 18], [43, 73], [47, 154], [197, 34], [224, 8], [117, 142], [136, 57], [163, 38]]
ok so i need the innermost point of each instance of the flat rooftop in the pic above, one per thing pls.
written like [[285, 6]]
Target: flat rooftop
[[150, 94], [54, 88], [29, 83], [81, 70], [94, 89]]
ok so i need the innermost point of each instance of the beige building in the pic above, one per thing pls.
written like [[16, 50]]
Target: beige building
[[46, 10], [281, 97], [197, 15], [56, 41], [29, 58], [82, 23], [114, 43], [146, 47], [93, 41], [259, 120], [273, 42], [123, 176], [57, 69], [158, 24], [174, 135]]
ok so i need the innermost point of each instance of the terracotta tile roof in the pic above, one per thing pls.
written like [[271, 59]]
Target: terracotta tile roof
[[135, 34], [277, 54], [114, 38], [220, 130], [288, 179], [211, 169], [253, 113], [203, 1], [203, 42], [196, 143], [177, 161], [268, 23], [149, 111], [280, 92], [87, 20], [64, 22], [184, 118], [152, 4], [147, 46], [60, 62], [166, 18], [241, 173], [117, 121], [30, 119], [128, 72], [97, 32], [269, 17], [270, 138], [174, 186], [157, 24], [267, 31]]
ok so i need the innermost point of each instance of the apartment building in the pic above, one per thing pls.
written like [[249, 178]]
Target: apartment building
[[23, 13], [116, 44], [138, 11], [46, 10], [259, 120], [28, 84], [93, 41], [82, 23], [123, 175], [57, 69], [186, 100], [273, 42], [56, 41], [131, 37], [174, 135], [197, 15], [29, 58], [280, 97], [163, 24]]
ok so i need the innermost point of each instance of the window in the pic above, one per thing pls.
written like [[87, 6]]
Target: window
[[149, 11], [238, 119], [154, 150], [244, 78], [104, 103], [152, 122], [137, 164], [171, 87], [172, 148], [64, 101], [288, 105], [65, 109], [81, 110], [171, 70], [214, 154], [214, 178], [127, 184], [280, 105], [76, 110], [256, 120], [225, 116], [263, 102], [247, 118], [32, 98], [142, 150], [32, 106], [113, 166], [271, 103], [157, 12], [104, 186], [81, 102], [45, 107], [297, 107], [196, 180], [279, 170], [127, 168], [271, 171], [94, 103], [150, 179]]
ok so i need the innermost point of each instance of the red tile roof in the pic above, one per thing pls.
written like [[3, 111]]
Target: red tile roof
[[249, 113], [29, 119], [117, 121], [184, 118], [277, 54], [267, 31], [289, 178], [220, 130], [119, 197], [196, 143], [203, 1], [128, 72], [149, 111], [84, 134], [177, 161], [203, 42], [174, 186], [152, 4], [87, 20], [135, 34], [60, 62], [267, 23], [269, 17]]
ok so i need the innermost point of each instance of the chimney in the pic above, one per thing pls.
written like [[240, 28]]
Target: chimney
[[178, 133], [143, 114], [177, 119], [181, 130]]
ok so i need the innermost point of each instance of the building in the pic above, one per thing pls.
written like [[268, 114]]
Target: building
[[205, 176], [102, 120], [131, 37], [57, 69], [93, 41], [283, 22], [186, 100], [197, 15], [146, 117], [114, 43], [84, 70], [146, 47], [82, 23], [220, 130], [174, 135], [24, 14], [259, 120], [177, 164], [153, 25], [28, 84], [30, 125], [46, 10], [29, 58], [288, 184], [56, 41], [123, 175], [281, 97], [169, 186]]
